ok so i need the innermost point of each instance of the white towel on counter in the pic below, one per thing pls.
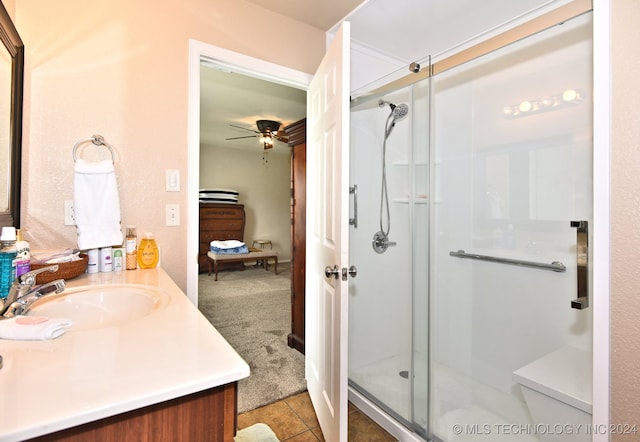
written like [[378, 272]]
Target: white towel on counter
[[96, 204], [33, 328]]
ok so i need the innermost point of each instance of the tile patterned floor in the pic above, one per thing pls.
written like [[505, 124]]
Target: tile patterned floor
[[294, 420]]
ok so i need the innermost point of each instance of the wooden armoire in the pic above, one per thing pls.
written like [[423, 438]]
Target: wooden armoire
[[297, 133]]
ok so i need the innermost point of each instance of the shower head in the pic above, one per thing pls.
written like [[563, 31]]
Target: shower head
[[398, 111]]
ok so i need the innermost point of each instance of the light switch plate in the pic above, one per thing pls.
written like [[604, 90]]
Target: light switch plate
[[173, 180]]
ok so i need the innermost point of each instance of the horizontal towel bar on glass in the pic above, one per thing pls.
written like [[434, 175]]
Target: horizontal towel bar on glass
[[555, 266]]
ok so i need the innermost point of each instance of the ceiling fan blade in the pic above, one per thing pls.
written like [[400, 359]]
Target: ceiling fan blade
[[238, 138], [244, 128]]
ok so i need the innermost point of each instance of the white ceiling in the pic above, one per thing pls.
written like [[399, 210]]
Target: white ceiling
[[322, 14], [407, 30]]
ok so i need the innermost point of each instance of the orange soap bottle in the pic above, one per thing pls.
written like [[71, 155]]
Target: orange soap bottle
[[148, 254]]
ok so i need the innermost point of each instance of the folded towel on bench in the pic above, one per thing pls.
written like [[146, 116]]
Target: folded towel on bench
[[231, 246]]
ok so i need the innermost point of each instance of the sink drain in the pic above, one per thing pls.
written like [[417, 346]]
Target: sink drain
[[404, 374]]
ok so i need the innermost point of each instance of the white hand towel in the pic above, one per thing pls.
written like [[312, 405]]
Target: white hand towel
[[96, 204], [33, 328]]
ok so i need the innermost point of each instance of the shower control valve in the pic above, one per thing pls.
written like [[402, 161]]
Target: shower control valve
[[381, 242]]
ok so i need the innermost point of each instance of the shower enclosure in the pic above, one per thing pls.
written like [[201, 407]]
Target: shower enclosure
[[491, 166]]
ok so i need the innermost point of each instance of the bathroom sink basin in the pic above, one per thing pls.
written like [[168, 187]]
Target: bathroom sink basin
[[93, 307]]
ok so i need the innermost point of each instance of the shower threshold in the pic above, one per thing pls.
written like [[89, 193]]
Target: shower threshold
[[394, 424]]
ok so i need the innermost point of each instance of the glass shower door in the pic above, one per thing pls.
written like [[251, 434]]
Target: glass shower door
[[511, 165], [388, 300]]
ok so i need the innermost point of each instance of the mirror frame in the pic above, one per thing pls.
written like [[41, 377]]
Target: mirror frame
[[12, 41]]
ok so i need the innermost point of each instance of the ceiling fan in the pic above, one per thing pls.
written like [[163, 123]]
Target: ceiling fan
[[267, 131]]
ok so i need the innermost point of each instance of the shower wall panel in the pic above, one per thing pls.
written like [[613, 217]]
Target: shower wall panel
[[380, 308]]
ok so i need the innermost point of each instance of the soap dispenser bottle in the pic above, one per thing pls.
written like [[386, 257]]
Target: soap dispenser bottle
[[148, 254], [8, 254]]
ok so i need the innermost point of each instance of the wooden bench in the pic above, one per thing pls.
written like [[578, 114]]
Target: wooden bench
[[253, 255]]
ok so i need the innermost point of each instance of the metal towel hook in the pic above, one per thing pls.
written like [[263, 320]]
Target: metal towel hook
[[98, 140]]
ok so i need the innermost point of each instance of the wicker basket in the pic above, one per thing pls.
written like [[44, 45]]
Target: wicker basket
[[66, 270]]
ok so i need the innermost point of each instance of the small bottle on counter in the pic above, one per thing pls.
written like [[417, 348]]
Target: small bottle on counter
[[93, 261], [148, 254], [105, 260], [131, 244], [8, 254], [118, 264], [23, 256]]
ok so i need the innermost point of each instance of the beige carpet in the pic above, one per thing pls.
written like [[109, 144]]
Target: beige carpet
[[252, 310]]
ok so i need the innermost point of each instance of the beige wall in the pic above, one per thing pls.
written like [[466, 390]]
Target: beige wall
[[119, 68], [264, 190], [625, 219]]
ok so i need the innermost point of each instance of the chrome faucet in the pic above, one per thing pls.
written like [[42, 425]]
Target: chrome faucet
[[24, 292]]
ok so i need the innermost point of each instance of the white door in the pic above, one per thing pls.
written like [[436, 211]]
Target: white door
[[326, 305]]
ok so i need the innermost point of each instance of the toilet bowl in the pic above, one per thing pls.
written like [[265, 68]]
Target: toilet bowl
[[557, 391]]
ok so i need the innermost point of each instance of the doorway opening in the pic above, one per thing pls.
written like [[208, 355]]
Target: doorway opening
[[228, 100]]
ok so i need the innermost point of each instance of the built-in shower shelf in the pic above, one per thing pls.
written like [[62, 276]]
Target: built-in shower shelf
[[405, 200]]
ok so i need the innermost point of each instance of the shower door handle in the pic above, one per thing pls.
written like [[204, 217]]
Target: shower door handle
[[582, 261], [354, 221]]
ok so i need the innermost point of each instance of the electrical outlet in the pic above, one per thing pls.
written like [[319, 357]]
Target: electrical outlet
[[69, 213], [172, 212]]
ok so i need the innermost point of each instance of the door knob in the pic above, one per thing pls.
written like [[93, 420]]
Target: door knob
[[329, 272]]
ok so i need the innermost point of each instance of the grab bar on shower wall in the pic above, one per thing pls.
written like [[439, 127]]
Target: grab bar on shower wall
[[582, 261], [354, 221], [555, 266]]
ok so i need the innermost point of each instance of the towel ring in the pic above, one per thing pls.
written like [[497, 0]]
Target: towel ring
[[98, 140]]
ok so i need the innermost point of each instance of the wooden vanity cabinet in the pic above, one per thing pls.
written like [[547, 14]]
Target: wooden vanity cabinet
[[209, 415], [219, 222]]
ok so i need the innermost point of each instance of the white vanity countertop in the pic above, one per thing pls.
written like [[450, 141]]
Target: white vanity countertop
[[83, 376]]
